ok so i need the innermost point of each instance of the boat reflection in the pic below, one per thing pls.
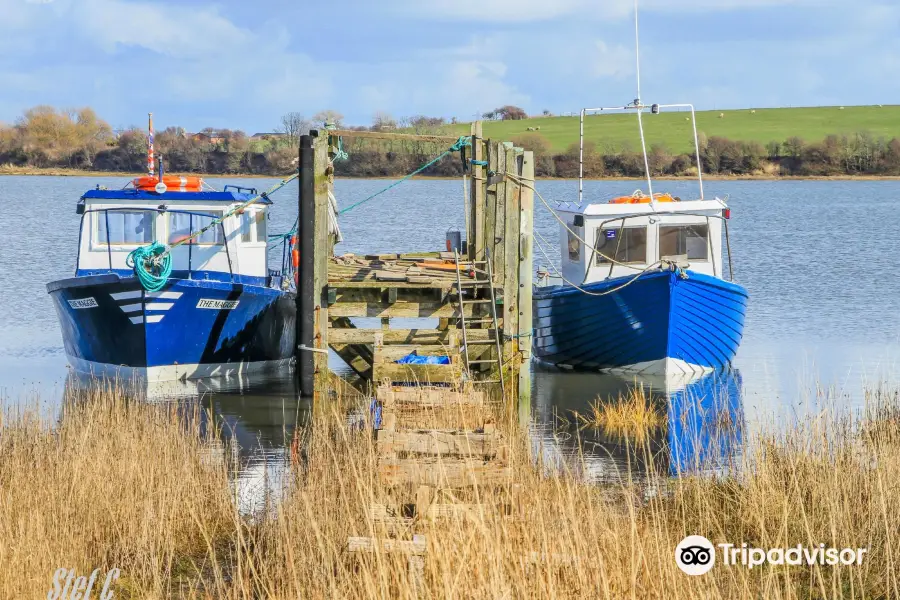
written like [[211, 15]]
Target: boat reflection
[[698, 430]]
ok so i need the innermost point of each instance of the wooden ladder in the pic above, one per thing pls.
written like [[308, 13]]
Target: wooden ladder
[[476, 298]]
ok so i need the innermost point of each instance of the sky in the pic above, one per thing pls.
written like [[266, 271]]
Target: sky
[[243, 64]]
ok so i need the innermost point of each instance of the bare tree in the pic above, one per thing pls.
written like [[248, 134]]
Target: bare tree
[[329, 116], [383, 121], [293, 125]]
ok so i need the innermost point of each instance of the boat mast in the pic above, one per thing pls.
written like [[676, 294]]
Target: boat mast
[[639, 106], [151, 167]]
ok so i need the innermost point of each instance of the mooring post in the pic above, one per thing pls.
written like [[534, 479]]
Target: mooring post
[[475, 236], [510, 243], [306, 318], [526, 246]]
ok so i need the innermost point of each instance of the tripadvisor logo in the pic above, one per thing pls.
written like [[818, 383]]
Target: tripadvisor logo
[[696, 555]]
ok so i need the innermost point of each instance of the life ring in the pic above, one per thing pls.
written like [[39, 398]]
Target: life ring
[[295, 258], [174, 183], [640, 198]]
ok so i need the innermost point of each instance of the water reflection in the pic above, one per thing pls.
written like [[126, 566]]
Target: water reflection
[[702, 430]]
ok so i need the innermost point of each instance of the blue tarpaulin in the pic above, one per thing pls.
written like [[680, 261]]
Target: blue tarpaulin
[[415, 359]]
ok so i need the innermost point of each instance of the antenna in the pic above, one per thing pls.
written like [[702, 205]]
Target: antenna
[[639, 105], [637, 51]]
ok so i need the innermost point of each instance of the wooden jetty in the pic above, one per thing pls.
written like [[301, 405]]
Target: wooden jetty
[[479, 299]]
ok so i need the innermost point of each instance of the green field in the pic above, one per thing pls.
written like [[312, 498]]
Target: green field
[[673, 129]]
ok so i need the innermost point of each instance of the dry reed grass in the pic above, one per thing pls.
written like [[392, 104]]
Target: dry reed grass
[[634, 416], [119, 484]]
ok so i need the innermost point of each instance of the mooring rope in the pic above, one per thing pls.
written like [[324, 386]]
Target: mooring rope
[[524, 183], [461, 143], [154, 272], [660, 263]]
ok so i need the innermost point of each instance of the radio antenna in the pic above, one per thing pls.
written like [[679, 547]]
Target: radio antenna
[[637, 51], [639, 106]]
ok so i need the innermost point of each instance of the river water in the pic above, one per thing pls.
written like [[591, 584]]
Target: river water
[[818, 259]]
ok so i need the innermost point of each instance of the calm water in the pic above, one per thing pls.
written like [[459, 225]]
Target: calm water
[[817, 257]]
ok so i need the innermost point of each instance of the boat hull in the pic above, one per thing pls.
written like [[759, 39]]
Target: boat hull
[[661, 323], [191, 329]]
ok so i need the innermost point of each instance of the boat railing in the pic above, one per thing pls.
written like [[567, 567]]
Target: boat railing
[[653, 216], [240, 189], [190, 246], [286, 271], [638, 107]]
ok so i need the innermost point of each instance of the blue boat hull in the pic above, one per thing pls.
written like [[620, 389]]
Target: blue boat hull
[[664, 321], [192, 328]]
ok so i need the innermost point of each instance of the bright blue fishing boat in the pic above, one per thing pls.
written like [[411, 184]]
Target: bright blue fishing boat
[[172, 281], [640, 287]]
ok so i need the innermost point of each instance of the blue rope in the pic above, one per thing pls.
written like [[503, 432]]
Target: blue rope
[[152, 274], [461, 143]]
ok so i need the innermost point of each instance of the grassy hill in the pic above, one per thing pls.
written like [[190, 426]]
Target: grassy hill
[[673, 129]]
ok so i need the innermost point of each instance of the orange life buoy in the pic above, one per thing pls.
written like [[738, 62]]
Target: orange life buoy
[[641, 198], [295, 258], [174, 183]]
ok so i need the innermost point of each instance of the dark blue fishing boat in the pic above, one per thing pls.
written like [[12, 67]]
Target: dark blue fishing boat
[[172, 281], [640, 287]]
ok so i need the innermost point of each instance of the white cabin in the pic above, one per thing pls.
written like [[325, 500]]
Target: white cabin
[[116, 222], [625, 239]]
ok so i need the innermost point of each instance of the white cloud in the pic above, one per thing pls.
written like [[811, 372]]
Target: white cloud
[[540, 10], [612, 61]]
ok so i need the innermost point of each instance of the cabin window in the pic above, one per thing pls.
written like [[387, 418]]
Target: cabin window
[[253, 223], [574, 243], [684, 240], [125, 227], [182, 225], [626, 245]]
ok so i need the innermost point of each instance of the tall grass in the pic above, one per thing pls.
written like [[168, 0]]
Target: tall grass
[[115, 483]]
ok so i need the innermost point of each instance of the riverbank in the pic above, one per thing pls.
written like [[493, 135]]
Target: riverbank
[[56, 172], [118, 484]]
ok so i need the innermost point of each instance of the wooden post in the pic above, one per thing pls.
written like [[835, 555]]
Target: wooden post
[[475, 237], [312, 307], [306, 365], [526, 269], [510, 233], [323, 251]]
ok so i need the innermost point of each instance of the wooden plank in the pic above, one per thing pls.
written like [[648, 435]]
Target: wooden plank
[[393, 353], [428, 398], [407, 283], [393, 524], [399, 309], [443, 473], [443, 443], [389, 276], [384, 135], [416, 373], [386, 292], [422, 279], [426, 337], [417, 546]]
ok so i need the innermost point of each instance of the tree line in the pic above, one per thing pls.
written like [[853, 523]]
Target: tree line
[[46, 137]]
